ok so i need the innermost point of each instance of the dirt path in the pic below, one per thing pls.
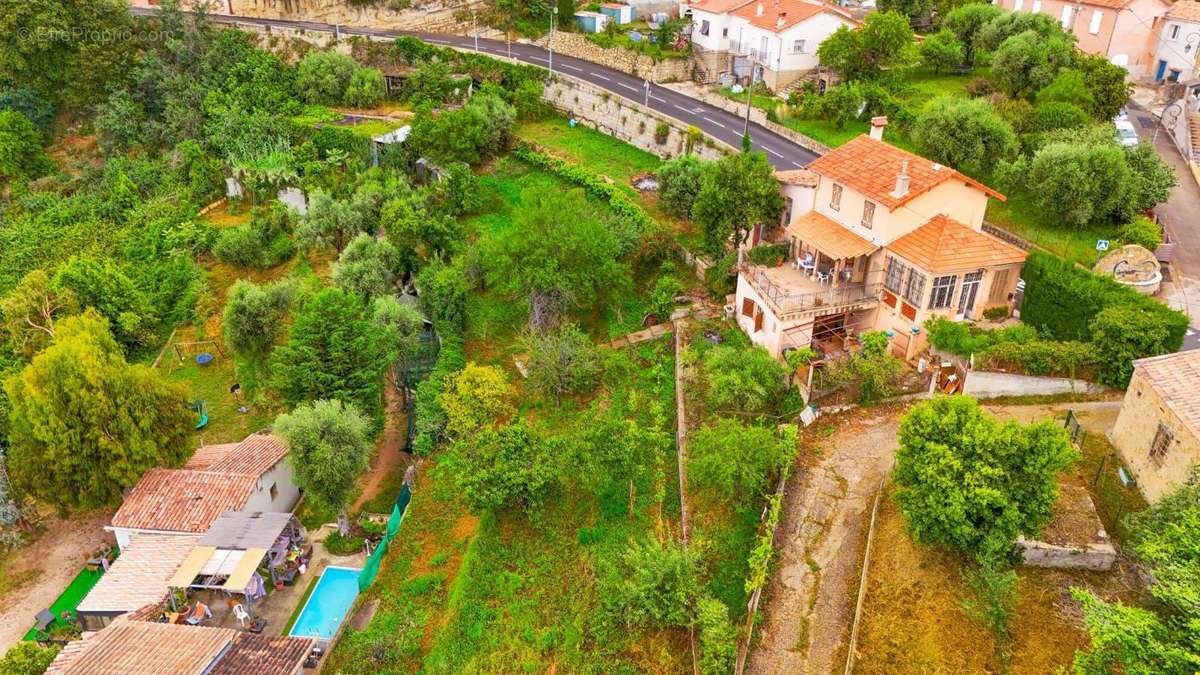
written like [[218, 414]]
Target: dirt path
[[57, 555], [389, 450], [810, 598]]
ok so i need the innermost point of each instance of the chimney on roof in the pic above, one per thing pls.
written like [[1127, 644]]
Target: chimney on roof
[[782, 20], [759, 10], [901, 180], [877, 125]]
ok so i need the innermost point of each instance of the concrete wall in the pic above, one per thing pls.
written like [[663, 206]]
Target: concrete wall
[[619, 58], [1098, 557], [625, 120], [985, 384], [433, 17], [757, 116], [1141, 413], [286, 493]]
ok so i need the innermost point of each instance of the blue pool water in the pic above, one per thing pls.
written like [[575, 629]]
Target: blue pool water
[[326, 607]]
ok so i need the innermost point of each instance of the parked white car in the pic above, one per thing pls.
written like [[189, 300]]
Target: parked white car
[[1126, 134]]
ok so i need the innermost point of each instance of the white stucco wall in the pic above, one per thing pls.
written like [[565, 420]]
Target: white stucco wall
[[287, 494], [1176, 51]]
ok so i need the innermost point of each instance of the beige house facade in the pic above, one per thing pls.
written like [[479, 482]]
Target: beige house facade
[[891, 239], [1158, 429], [1123, 31]]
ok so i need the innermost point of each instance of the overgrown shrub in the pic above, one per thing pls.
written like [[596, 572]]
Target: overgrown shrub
[[965, 339], [718, 637], [770, 255], [1040, 357], [1141, 231], [262, 243]]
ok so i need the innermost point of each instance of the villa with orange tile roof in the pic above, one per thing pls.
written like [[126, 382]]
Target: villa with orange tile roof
[[248, 476], [778, 37], [877, 239]]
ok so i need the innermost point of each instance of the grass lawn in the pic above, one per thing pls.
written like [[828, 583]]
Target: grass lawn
[[71, 597], [600, 152], [1098, 471], [1019, 216], [211, 384]]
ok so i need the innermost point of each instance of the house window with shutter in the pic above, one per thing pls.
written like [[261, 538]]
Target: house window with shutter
[[894, 276], [758, 319], [915, 288], [1097, 17], [835, 199], [748, 307], [999, 290], [868, 218], [1161, 443]]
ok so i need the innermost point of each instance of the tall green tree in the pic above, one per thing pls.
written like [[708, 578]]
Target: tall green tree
[[562, 361], [480, 129], [884, 41], [30, 310], [742, 379], [967, 21], [654, 585], [329, 445], [679, 184], [495, 469], [333, 351], [1025, 63], [971, 483], [557, 256], [738, 192], [1107, 82], [323, 76], [253, 317], [85, 424], [21, 155], [942, 51], [1007, 24], [367, 267], [66, 50], [477, 398], [967, 134], [736, 459]]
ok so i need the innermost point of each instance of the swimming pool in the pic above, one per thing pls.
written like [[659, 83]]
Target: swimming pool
[[327, 606]]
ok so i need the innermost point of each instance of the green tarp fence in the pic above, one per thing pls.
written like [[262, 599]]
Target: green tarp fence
[[369, 571]]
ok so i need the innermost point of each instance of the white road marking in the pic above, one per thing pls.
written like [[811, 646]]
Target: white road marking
[[660, 100], [773, 153], [567, 65], [712, 121], [538, 58], [798, 166], [679, 107], [602, 77], [622, 84]]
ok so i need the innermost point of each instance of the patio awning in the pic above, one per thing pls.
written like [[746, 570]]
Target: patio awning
[[191, 567], [240, 577], [829, 237]]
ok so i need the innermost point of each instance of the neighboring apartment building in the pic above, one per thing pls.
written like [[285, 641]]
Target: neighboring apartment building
[[1123, 31], [248, 476], [1158, 429], [1178, 42], [778, 37], [891, 239]]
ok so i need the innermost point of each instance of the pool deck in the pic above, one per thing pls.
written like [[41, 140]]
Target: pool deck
[[277, 608]]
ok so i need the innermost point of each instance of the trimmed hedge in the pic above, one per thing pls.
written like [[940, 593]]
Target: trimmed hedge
[[1064, 302], [429, 421], [1041, 357]]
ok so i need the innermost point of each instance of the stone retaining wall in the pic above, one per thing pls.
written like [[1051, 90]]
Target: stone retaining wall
[[756, 115], [1095, 557], [619, 58], [626, 120], [986, 384], [431, 17]]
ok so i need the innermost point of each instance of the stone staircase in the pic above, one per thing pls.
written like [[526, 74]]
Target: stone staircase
[[1194, 134]]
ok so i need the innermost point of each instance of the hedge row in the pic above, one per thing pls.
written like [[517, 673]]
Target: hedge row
[[1061, 300], [429, 421], [1041, 357], [617, 199]]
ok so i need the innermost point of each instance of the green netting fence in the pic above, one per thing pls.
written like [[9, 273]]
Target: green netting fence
[[370, 570]]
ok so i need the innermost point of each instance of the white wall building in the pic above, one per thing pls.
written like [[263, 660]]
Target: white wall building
[[780, 37], [1178, 41]]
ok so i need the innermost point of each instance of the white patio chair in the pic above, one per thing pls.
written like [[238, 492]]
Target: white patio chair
[[240, 614]]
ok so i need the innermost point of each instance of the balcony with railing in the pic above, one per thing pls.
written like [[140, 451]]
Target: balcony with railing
[[790, 291]]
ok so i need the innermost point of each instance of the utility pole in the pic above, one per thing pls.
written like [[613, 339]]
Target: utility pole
[[553, 23], [647, 104], [474, 28], [749, 98]]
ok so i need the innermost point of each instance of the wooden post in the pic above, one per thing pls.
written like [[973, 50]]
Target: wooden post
[[837, 272]]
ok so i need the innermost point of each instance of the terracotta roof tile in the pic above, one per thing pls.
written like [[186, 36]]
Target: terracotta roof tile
[[253, 456], [870, 167], [946, 245], [207, 455], [719, 6], [829, 237], [780, 15], [143, 648], [182, 500], [1185, 10], [262, 655], [1175, 378], [139, 576], [801, 177]]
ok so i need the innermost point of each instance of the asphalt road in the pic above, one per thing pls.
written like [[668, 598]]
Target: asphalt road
[[716, 122]]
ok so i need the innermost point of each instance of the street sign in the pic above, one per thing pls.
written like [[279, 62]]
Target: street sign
[[1102, 245]]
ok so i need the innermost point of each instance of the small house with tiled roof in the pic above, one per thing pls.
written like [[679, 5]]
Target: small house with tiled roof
[[252, 475], [777, 37], [134, 647], [877, 238], [1122, 31], [1157, 431]]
